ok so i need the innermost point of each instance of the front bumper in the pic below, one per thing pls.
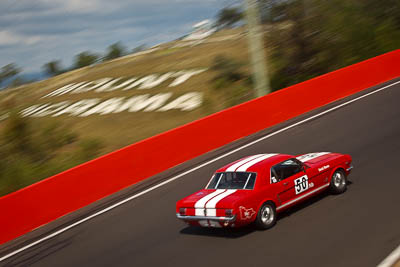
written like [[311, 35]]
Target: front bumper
[[349, 168], [211, 218]]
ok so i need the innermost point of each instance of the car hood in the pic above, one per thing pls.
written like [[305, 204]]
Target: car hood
[[314, 160]]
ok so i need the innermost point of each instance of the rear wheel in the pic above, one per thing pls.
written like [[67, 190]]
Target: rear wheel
[[338, 182], [266, 217]]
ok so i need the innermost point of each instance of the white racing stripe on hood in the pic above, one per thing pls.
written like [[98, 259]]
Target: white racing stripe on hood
[[210, 206], [240, 163], [199, 205], [311, 156], [247, 165]]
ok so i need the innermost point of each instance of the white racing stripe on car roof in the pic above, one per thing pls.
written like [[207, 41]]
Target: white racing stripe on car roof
[[199, 205], [240, 163], [244, 167], [311, 156]]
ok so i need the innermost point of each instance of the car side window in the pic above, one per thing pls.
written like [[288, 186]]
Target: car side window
[[274, 176], [285, 169]]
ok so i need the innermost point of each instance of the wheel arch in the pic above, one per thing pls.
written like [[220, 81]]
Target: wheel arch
[[258, 219], [342, 185], [336, 168], [265, 201]]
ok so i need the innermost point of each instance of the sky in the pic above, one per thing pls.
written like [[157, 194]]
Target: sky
[[34, 32]]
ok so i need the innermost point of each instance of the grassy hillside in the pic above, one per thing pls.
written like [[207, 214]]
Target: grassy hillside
[[66, 140]]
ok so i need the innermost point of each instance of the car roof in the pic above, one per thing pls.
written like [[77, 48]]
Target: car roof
[[255, 163]]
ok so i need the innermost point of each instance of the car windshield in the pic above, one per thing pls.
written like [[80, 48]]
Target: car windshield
[[232, 180]]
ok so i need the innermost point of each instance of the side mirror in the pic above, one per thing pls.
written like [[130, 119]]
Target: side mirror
[[304, 167]]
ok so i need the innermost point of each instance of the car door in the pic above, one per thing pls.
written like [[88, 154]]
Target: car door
[[291, 179]]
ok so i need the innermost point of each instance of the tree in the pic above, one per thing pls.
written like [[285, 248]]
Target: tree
[[8, 71], [17, 133], [115, 50], [273, 10], [234, 84], [228, 17], [226, 69], [139, 48], [19, 80], [52, 68], [89, 148], [308, 38], [31, 151], [85, 59]]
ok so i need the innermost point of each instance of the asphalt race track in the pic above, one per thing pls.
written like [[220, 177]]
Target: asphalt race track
[[358, 228]]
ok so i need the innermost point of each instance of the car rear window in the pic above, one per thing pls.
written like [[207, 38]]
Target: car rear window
[[232, 180]]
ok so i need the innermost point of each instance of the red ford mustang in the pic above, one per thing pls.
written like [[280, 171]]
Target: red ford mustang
[[255, 188]]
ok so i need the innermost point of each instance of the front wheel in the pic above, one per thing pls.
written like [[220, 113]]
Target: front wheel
[[338, 182], [266, 217]]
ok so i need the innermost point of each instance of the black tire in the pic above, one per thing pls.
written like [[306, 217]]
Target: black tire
[[266, 217], [338, 183]]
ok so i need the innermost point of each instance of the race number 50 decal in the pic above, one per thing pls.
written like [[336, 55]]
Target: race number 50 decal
[[301, 184]]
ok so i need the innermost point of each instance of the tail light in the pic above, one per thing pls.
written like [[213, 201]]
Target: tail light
[[182, 211], [228, 212]]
